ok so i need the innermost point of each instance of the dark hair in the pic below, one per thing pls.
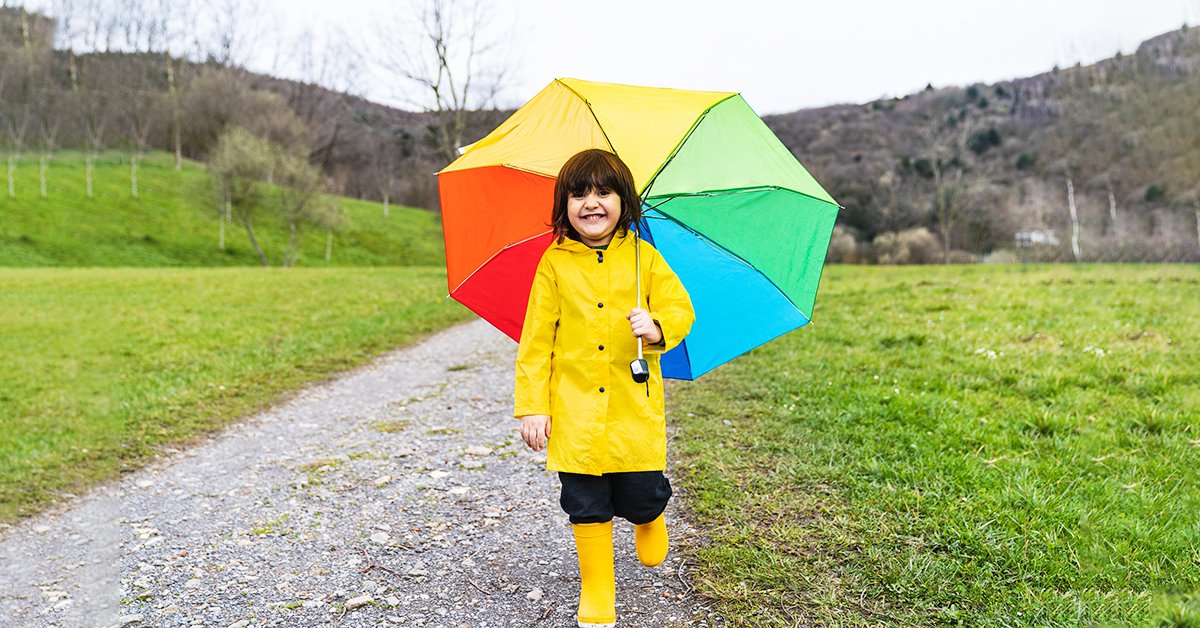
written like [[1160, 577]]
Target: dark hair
[[594, 169]]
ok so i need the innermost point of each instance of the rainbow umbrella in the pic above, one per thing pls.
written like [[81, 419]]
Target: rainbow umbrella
[[735, 215]]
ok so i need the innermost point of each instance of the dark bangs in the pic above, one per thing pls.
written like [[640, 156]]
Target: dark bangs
[[594, 169]]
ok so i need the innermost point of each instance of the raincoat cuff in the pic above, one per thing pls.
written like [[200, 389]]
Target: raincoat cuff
[[661, 345], [520, 412]]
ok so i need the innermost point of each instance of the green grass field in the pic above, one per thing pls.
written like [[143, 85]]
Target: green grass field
[[174, 223], [103, 367], [957, 445]]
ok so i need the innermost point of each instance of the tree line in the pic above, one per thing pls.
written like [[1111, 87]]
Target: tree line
[[1092, 163], [141, 75]]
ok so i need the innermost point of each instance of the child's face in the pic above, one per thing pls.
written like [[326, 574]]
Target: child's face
[[594, 215]]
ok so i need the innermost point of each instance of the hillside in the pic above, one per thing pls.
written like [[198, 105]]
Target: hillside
[[1125, 131], [1087, 163], [117, 100], [175, 223]]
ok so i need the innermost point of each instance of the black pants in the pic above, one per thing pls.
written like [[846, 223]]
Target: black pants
[[638, 496]]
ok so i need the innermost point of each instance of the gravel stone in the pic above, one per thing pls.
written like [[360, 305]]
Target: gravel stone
[[358, 602], [354, 485]]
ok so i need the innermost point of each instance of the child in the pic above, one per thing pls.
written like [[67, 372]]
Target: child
[[574, 390]]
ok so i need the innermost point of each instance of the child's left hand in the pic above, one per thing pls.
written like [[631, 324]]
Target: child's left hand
[[643, 326]]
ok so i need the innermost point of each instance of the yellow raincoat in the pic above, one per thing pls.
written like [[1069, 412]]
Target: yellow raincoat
[[575, 350]]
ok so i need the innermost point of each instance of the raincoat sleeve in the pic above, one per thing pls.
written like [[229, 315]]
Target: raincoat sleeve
[[531, 389], [670, 305]]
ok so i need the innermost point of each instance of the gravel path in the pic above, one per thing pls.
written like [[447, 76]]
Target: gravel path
[[399, 494]]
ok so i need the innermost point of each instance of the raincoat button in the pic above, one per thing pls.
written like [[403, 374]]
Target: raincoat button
[[601, 389], [599, 305], [602, 347]]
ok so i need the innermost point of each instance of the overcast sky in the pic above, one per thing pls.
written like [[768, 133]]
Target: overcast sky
[[784, 56]]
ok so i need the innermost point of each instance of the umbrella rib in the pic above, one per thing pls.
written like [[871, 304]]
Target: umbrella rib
[[682, 141], [591, 111], [757, 188], [510, 166], [735, 256], [494, 255]]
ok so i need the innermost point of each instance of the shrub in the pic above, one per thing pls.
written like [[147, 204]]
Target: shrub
[[910, 246], [842, 247], [1002, 256], [962, 257], [1156, 193], [1026, 161], [981, 141], [923, 247], [923, 167], [886, 248]]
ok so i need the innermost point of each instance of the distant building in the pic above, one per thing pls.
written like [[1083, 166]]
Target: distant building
[[1036, 238]]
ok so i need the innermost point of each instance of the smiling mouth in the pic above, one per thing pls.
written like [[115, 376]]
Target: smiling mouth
[[593, 217]]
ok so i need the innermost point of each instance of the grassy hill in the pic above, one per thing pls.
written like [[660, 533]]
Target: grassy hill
[[175, 223]]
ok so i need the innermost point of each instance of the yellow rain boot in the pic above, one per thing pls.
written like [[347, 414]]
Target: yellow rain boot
[[651, 542], [597, 586]]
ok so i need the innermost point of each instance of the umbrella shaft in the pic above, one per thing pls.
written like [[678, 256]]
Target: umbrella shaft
[[637, 262]]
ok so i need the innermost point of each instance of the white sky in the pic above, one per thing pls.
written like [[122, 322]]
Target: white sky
[[783, 56]]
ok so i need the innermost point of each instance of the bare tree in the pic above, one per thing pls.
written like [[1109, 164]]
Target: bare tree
[[176, 23], [67, 30], [41, 93], [140, 108], [946, 144], [88, 26], [96, 115], [48, 114], [330, 216], [1110, 189], [18, 93], [384, 170], [298, 190], [1068, 144], [453, 67], [327, 70], [234, 30], [142, 34], [1068, 174]]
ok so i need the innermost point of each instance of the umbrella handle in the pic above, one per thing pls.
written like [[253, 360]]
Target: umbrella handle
[[639, 369]]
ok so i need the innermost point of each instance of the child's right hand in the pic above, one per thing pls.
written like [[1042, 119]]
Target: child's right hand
[[535, 429]]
